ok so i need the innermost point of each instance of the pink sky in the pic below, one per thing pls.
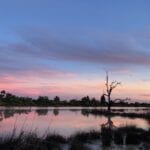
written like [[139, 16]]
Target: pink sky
[[69, 85]]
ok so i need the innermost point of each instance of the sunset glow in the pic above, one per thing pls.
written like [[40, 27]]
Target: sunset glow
[[64, 48]]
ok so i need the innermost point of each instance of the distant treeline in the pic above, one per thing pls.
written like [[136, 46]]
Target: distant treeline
[[8, 99]]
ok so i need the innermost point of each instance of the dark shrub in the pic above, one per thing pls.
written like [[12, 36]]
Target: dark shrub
[[106, 136], [118, 137], [56, 138], [86, 136], [76, 145]]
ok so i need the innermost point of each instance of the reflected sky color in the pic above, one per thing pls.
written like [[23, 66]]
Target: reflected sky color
[[64, 47], [66, 121]]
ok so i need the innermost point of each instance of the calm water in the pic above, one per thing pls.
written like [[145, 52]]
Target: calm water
[[64, 121]]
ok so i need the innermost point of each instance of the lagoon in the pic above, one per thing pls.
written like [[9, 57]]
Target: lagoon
[[64, 121]]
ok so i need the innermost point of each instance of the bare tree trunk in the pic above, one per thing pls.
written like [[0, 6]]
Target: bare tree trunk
[[109, 88], [109, 104]]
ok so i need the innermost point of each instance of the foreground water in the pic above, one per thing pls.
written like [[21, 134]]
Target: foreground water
[[64, 120]]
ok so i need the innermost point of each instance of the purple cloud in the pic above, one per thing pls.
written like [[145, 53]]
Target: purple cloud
[[39, 46], [112, 50]]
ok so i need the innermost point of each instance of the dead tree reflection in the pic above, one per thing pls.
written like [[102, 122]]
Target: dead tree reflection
[[109, 123], [107, 132]]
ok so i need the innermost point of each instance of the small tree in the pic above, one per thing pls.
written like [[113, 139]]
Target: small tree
[[56, 99], [2, 94], [109, 88], [103, 100]]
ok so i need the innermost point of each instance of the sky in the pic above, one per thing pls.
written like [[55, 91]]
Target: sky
[[65, 47]]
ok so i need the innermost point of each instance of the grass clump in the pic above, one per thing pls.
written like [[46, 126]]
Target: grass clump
[[123, 135], [85, 136], [106, 136]]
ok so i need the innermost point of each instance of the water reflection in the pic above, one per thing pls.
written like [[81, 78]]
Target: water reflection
[[42, 112], [148, 121], [64, 121], [1, 116], [56, 111], [109, 124], [85, 112], [4, 114]]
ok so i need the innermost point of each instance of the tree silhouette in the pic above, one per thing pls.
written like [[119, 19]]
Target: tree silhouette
[[56, 98], [109, 88], [56, 111], [103, 100], [2, 94]]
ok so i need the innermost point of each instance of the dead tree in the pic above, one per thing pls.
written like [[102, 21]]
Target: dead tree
[[109, 88], [122, 100]]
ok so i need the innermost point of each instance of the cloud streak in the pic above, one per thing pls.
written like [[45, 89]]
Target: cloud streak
[[28, 67], [38, 46], [116, 50]]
